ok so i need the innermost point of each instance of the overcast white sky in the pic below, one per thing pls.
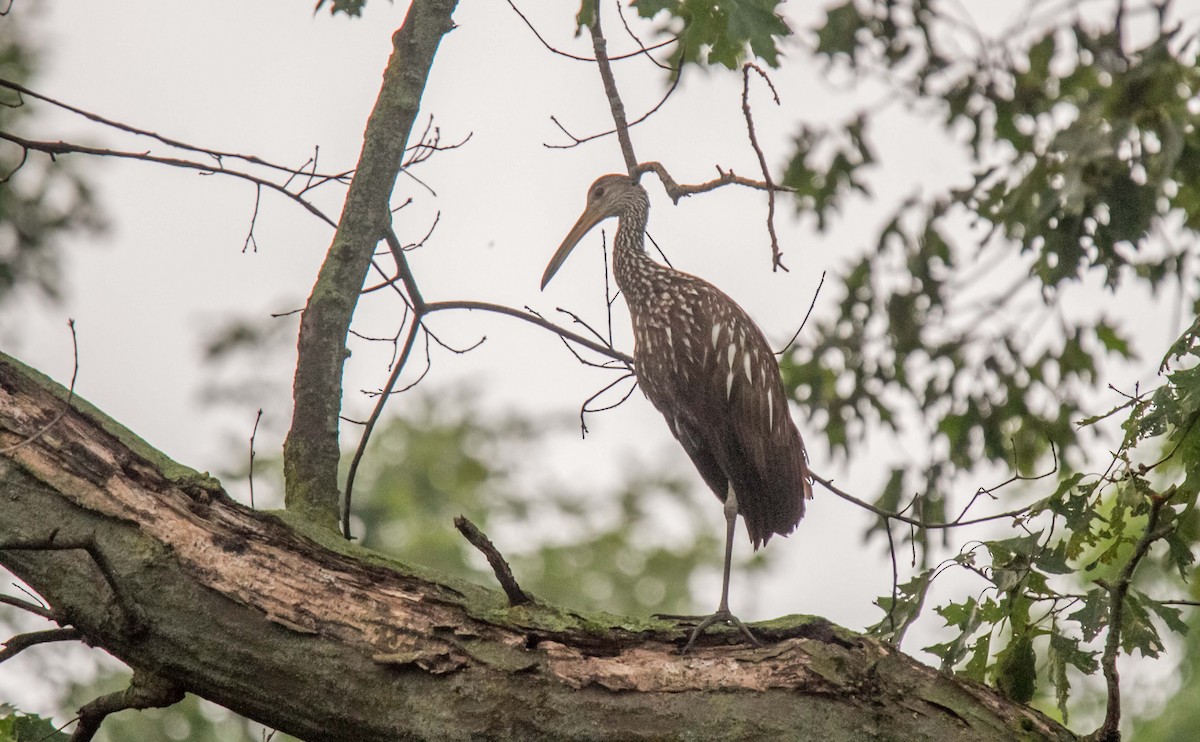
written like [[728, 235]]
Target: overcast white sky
[[271, 79]]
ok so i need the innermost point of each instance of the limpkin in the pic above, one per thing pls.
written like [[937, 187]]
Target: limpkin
[[705, 365]]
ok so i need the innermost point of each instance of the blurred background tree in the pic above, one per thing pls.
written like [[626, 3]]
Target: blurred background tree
[[46, 202], [974, 324]]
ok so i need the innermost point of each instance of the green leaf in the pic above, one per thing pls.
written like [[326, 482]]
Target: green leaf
[[650, 8], [352, 8], [16, 727], [723, 32], [1016, 669], [1093, 616], [1113, 343], [838, 34], [903, 609], [1137, 630], [976, 667], [1064, 651], [1169, 614]]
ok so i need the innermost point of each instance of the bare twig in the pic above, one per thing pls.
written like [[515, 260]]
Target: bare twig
[[549, 47], [250, 241], [66, 406], [959, 521], [25, 605], [776, 253], [614, 97], [576, 141], [217, 155], [504, 575], [442, 306], [887, 529], [642, 46], [406, 276], [253, 433], [725, 177], [455, 350], [659, 250], [581, 322], [63, 148], [20, 642], [807, 314], [584, 409], [609, 297], [374, 418]]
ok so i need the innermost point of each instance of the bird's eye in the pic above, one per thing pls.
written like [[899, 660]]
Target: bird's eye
[[598, 191]]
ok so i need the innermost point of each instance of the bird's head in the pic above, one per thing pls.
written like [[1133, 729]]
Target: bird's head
[[610, 195]]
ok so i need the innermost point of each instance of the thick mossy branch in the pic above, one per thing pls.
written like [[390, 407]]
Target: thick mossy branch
[[311, 452], [279, 619]]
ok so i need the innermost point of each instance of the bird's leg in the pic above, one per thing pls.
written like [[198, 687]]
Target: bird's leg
[[722, 614], [731, 512]]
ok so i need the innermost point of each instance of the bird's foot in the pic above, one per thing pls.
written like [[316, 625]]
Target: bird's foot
[[721, 616]]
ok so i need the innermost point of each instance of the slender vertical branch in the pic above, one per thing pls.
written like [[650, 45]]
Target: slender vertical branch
[[776, 253], [253, 434], [614, 97], [401, 362], [311, 451], [1110, 730]]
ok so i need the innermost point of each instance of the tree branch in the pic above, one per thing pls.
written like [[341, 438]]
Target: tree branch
[[725, 177], [610, 89], [66, 405], [25, 605], [1110, 730], [776, 253], [20, 642], [357, 646], [65, 148], [145, 691], [538, 320], [503, 572], [961, 520], [311, 451], [384, 396]]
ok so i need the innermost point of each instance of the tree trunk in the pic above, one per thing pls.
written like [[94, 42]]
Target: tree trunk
[[290, 625], [311, 452]]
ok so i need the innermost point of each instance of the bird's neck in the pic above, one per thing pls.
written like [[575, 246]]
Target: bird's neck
[[632, 267]]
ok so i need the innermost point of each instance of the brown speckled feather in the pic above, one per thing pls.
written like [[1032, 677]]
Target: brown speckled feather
[[706, 366]]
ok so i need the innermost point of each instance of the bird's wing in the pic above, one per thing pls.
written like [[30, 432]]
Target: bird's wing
[[767, 463], [705, 365]]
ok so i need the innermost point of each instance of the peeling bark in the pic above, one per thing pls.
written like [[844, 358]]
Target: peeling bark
[[283, 621]]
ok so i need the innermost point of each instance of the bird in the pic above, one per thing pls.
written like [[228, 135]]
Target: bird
[[704, 364]]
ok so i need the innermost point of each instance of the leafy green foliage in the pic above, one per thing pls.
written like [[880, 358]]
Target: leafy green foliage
[[17, 727], [1099, 527], [352, 8], [820, 189], [1016, 669], [1086, 171], [38, 204], [902, 608], [1086, 153], [721, 33]]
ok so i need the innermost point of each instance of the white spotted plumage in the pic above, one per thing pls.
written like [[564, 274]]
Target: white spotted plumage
[[705, 365]]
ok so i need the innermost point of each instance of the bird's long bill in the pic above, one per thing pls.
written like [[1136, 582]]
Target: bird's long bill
[[587, 220]]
